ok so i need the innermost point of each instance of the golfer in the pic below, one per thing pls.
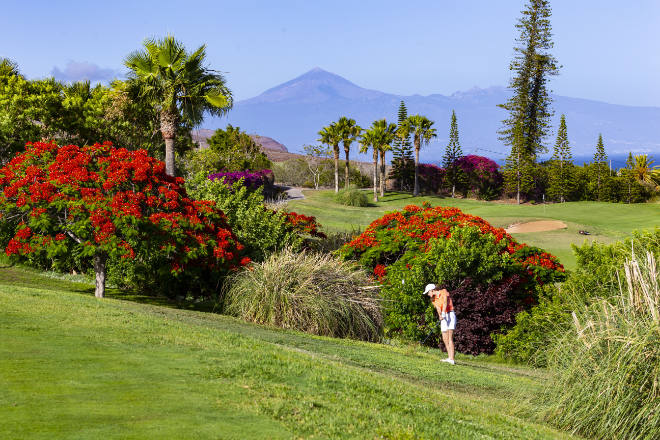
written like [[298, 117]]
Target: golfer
[[445, 308]]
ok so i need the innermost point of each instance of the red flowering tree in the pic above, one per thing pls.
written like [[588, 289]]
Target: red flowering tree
[[103, 202], [490, 275]]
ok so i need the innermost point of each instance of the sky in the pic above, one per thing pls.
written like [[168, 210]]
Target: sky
[[608, 49]]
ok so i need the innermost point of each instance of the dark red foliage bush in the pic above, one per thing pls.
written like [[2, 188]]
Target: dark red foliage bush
[[483, 310]]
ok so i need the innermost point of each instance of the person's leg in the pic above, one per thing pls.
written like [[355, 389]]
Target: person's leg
[[445, 339], [448, 337]]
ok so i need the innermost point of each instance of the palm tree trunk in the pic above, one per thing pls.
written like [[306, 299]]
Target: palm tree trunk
[[336, 151], [416, 190], [168, 130], [382, 173], [375, 175], [99, 269], [346, 179]]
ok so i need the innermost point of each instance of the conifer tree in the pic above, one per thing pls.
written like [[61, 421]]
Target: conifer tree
[[453, 152], [518, 170], [403, 165], [629, 176], [561, 168], [529, 105], [600, 167]]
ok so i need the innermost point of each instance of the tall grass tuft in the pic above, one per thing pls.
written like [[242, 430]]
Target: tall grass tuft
[[606, 370], [312, 292], [352, 197]]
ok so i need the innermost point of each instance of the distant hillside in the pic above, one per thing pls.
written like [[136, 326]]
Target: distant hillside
[[293, 113]]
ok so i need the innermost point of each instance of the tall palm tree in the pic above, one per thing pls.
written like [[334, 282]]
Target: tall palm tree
[[387, 137], [422, 130], [350, 131], [331, 136], [379, 137], [179, 86], [370, 140]]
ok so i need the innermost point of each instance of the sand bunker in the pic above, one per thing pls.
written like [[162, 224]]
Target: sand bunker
[[538, 226]]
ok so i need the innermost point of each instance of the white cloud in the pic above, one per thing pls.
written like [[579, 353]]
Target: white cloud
[[82, 70]]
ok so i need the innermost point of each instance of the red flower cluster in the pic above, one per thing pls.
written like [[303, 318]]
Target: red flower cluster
[[304, 224], [115, 200], [421, 224]]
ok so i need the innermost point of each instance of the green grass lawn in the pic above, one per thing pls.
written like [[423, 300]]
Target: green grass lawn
[[607, 222], [73, 366]]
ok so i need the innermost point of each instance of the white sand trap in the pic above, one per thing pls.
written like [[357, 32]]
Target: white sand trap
[[538, 226]]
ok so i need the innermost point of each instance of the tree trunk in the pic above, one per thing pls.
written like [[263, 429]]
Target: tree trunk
[[519, 177], [168, 120], [416, 190], [346, 180], [169, 157], [99, 269], [337, 169], [453, 190], [375, 175], [382, 173]]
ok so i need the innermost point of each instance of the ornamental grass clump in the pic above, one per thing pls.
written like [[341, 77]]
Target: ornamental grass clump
[[314, 293], [607, 367], [352, 197]]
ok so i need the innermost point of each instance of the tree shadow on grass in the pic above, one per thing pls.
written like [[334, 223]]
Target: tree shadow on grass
[[13, 275]]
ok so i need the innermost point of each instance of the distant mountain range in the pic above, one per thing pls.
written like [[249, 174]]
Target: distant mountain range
[[293, 112]]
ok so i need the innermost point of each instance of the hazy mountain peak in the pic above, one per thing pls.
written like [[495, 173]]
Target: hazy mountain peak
[[315, 86]]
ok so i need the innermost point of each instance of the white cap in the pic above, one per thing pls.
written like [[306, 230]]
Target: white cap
[[429, 287]]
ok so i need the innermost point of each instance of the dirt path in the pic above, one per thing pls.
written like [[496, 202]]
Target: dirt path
[[537, 226], [294, 193]]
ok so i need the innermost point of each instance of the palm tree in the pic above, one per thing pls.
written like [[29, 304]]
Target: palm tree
[[331, 136], [422, 131], [380, 137], [387, 136], [350, 131], [642, 169], [370, 140], [178, 85]]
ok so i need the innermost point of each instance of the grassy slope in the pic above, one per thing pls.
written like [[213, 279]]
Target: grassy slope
[[72, 366], [606, 222]]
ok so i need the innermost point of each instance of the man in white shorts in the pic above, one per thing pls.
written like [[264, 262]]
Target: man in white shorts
[[445, 308]]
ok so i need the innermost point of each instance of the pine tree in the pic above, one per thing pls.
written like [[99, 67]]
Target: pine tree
[[600, 167], [453, 152], [403, 164], [562, 180], [529, 106], [532, 65], [518, 170]]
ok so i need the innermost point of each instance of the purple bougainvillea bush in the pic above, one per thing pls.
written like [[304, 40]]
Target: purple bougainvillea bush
[[251, 179], [483, 177], [430, 177]]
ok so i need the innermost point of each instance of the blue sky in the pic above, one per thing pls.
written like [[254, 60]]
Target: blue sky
[[608, 49]]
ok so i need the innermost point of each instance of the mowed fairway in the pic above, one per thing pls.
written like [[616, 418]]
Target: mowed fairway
[[73, 366], [606, 222]]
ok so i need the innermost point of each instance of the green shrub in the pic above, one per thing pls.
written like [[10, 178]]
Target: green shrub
[[260, 230], [314, 293], [229, 150], [352, 197], [605, 366], [528, 340]]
